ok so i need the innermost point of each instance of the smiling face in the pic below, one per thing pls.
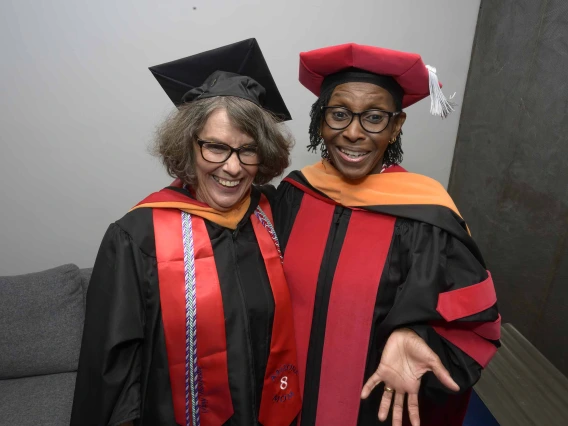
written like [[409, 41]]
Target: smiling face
[[355, 152], [223, 185]]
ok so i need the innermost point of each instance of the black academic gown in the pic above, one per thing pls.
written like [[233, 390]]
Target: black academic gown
[[123, 366], [423, 258]]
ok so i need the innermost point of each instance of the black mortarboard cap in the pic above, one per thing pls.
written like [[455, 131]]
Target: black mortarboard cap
[[238, 69]]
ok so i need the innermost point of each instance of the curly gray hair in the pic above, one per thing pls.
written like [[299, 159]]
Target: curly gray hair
[[175, 136]]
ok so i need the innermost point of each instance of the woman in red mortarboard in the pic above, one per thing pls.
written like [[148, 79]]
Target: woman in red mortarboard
[[394, 309], [188, 318]]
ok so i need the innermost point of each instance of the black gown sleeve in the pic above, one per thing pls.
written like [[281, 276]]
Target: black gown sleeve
[[285, 206], [433, 262], [107, 390]]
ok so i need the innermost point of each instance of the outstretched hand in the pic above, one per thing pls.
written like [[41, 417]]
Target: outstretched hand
[[406, 358]]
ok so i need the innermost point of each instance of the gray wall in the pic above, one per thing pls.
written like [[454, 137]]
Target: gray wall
[[78, 106], [510, 170]]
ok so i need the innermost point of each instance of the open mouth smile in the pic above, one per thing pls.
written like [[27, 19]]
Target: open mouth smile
[[226, 183], [352, 156]]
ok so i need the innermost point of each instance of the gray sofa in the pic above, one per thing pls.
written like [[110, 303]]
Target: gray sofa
[[41, 323]]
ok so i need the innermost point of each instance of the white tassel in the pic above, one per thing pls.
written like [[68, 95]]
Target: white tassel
[[439, 105]]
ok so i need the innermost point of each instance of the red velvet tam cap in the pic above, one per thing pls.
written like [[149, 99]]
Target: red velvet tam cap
[[402, 74]]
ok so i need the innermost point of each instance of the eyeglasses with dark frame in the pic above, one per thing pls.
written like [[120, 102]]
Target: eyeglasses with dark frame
[[218, 152], [371, 120]]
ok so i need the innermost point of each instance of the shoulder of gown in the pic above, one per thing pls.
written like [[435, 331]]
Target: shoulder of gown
[[285, 206]]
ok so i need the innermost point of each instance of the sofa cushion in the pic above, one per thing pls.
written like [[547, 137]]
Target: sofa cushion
[[85, 278], [41, 400], [41, 322]]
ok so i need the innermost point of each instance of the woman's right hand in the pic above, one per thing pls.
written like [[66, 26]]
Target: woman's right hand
[[405, 359]]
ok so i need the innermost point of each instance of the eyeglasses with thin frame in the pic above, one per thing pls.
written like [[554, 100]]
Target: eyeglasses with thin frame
[[371, 120], [218, 152]]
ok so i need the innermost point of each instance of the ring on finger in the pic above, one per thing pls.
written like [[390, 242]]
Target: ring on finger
[[389, 390]]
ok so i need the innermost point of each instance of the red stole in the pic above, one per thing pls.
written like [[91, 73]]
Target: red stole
[[280, 401], [352, 300]]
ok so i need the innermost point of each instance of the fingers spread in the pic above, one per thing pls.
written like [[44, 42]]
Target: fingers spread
[[444, 376], [397, 409], [385, 405], [413, 411], [373, 381]]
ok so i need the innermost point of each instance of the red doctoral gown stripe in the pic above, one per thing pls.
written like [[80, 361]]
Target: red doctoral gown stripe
[[350, 310]]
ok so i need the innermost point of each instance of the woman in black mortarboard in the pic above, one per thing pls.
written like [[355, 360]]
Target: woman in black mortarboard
[[188, 317], [387, 285]]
